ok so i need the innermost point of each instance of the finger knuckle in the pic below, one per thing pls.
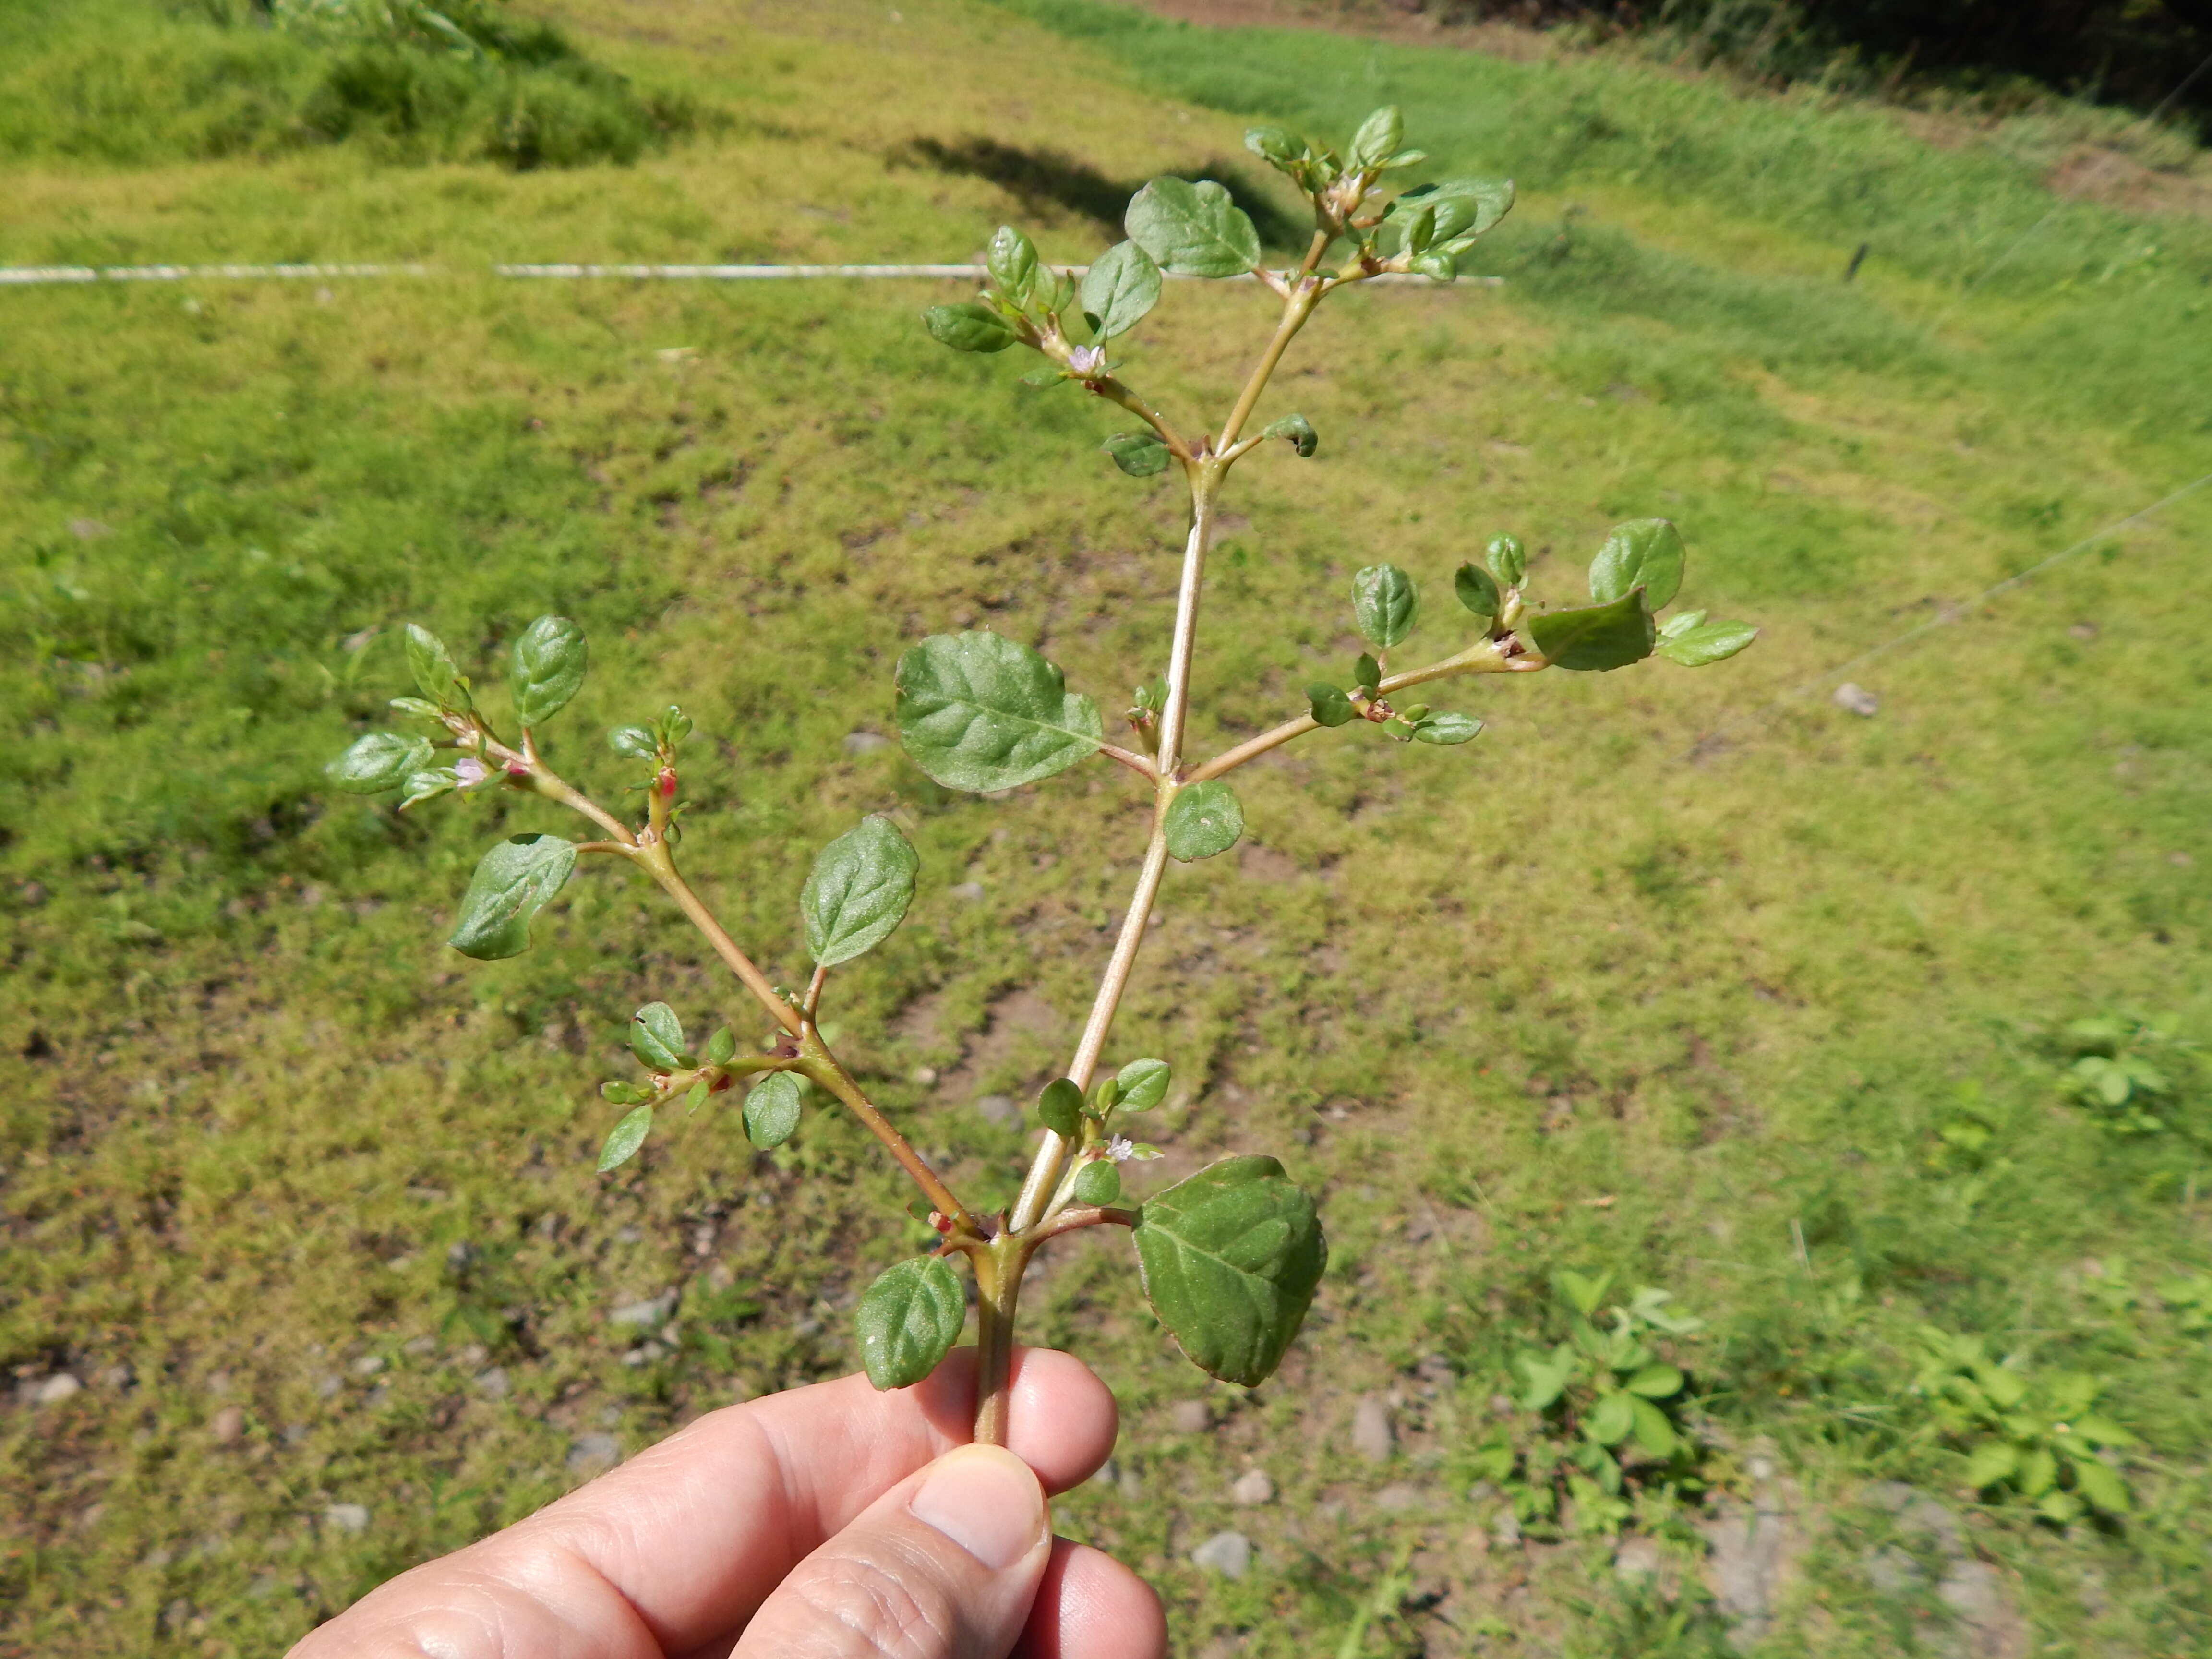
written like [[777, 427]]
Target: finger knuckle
[[867, 1608]]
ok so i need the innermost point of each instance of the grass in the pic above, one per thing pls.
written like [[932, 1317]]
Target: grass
[[1586, 994]]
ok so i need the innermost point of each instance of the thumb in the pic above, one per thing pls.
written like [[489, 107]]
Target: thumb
[[942, 1566]]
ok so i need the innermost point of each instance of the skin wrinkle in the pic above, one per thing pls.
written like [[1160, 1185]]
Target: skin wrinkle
[[868, 1600]]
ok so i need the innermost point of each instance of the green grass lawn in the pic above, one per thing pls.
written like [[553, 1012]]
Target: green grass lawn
[[305, 1201]]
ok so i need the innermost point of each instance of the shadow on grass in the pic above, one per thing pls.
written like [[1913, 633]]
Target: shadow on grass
[[1051, 186]]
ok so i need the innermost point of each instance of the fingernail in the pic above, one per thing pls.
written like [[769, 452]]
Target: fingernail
[[985, 1499]]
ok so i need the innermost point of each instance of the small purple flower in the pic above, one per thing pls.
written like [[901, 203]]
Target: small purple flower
[[1086, 361], [469, 771]]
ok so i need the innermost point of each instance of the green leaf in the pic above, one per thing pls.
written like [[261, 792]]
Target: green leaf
[[432, 665], [1121, 288], [378, 762], [629, 1135], [1477, 591], [970, 326], [1438, 265], [1581, 1291], [861, 884], [695, 1095], [1011, 261], [656, 1037], [1654, 1433], [721, 1048], [550, 660], [1507, 559], [1384, 602], [1696, 646], [1275, 145], [979, 711], [1192, 229], [2100, 1430], [908, 1319], [624, 1093], [1139, 454], [1612, 1421], [2104, 1489], [1447, 729], [1597, 637], [1367, 674], [634, 742], [771, 1111], [1296, 429], [1645, 553], [511, 883], [1059, 1108], [1463, 208], [1377, 139], [1679, 624], [1989, 1463], [1330, 705], [1143, 1084], [1230, 1259], [419, 708], [1656, 1382], [2037, 1475], [1203, 819], [1098, 1182]]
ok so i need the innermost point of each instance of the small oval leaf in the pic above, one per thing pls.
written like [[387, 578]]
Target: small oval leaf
[[907, 1320], [1611, 1419], [973, 327], [771, 1112], [1645, 553], [1059, 1108], [1011, 261], [1447, 729], [1597, 637], [550, 660], [1384, 603], [512, 884], [861, 885], [1203, 819], [1119, 290], [1706, 642], [1139, 454], [1507, 559], [1299, 431], [1098, 1182], [656, 1037], [1330, 707], [1142, 1084], [629, 1135], [378, 762], [1477, 589]]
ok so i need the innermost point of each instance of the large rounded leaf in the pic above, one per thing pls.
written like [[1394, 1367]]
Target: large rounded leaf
[[550, 660], [1645, 553], [512, 884], [1596, 637], [979, 711], [378, 762], [859, 891], [908, 1319], [1121, 288], [1192, 229], [1230, 1259], [1204, 819]]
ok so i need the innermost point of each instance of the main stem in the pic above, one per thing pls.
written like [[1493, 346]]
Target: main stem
[[999, 1268]]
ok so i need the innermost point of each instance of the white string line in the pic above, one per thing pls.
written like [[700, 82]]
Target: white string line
[[1953, 614], [33, 276], [2033, 230]]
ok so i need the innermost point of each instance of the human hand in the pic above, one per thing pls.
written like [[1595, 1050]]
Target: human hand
[[828, 1522]]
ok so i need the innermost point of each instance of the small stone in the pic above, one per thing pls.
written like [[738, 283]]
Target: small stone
[[1251, 1488], [1133, 1486], [327, 1386], [2083, 630], [1107, 1474], [1636, 1558], [925, 1075], [1969, 1589], [1229, 1553], [651, 1315], [493, 1384], [1855, 700], [116, 1377], [460, 1253], [347, 1517], [88, 530], [226, 1426], [1506, 1529], [591, 1453], [644, 1354], [1436, 1368], [368, 1365], [295, 1433], [1190, 1416], [1373, 1436], [419, 1346], [1001, 1110], [865, 743], [56, 1389], [1398, 1497], [1891, 1570], [967, 892]]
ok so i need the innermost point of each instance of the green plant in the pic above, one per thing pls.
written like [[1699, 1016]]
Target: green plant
[[1602, 1411], [2135, 1076], [1229, 1258], [2038, 1435]]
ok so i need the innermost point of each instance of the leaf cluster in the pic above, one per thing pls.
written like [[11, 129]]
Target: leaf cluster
[[2037, 1436], [2135, 1076]]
